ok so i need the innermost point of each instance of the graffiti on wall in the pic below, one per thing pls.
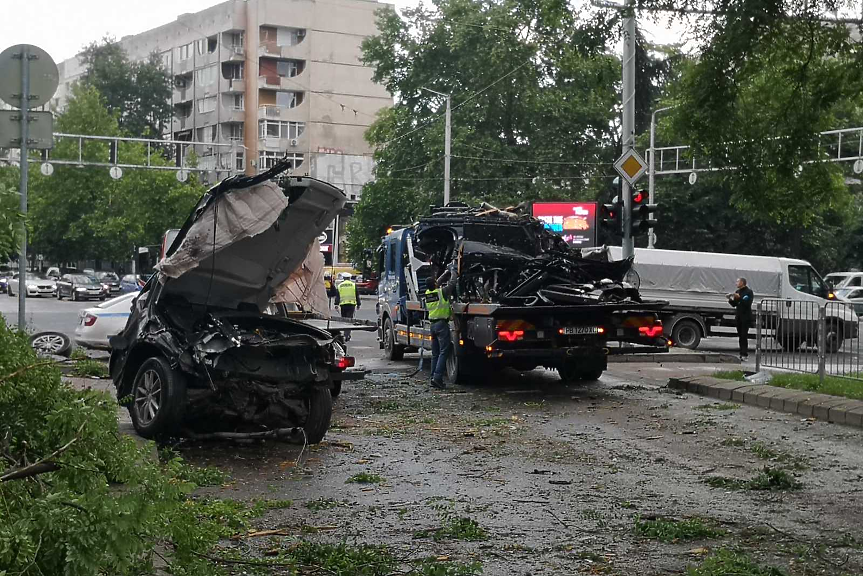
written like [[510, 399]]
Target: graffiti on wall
[[344, 171]]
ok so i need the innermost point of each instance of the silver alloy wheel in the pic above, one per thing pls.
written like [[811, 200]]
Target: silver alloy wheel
[[48, 343], [148, 395]]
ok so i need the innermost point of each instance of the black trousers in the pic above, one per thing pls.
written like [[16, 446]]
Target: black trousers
[[743, 324], [348, 310]]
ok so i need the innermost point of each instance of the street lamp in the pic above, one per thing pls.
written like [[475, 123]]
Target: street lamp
[[447, 141], [652, 177]]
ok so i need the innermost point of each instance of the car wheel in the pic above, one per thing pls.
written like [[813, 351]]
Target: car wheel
[[568, 372], [55, 343], [393, 351], [320, 403], [834, 337], [74, 296], [158, 399], [335, 388], [686, 334]]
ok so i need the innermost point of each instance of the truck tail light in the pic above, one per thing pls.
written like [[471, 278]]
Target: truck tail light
[[511, 335], [89, 320], [650, 331], [346, 362]]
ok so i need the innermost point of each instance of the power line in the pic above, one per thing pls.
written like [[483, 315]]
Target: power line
[[548, 162], [418, 166]]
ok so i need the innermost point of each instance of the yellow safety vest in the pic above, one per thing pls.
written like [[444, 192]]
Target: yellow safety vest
[[438, 306], [347, 293]]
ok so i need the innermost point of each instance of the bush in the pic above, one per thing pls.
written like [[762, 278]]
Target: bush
[[81, 498]]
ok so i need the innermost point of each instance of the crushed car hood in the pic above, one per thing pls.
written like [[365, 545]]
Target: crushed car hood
[[246, 236]]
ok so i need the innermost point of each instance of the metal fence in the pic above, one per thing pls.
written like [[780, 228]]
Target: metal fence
[[809, 336]]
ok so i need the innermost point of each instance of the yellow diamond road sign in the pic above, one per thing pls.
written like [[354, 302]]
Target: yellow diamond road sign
[[631, 166]]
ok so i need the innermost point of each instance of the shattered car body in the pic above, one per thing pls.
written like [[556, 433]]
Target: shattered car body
[[199, 353]]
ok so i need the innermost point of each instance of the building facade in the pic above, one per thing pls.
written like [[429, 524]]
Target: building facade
[[266, 78]]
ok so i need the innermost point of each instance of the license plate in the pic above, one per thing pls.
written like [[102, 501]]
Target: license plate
[[580, 330]]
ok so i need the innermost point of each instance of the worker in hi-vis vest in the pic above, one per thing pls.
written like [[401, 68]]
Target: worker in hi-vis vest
[[347, 298], [437, 302]]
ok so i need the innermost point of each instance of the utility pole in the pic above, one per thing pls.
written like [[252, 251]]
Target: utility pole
[[652, 176], [447, 142], [628, 136], [25, 136]]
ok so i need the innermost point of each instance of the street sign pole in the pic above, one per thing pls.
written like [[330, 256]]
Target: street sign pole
[[25, 136], [628, 138]]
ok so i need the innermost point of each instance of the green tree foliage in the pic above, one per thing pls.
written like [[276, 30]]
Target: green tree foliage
[[10, 213], [80, 213], [138, 94], [533, 107]]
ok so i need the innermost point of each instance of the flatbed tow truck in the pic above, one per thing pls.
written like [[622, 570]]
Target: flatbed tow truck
[[523, 297]]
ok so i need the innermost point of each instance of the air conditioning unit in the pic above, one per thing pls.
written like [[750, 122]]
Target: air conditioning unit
[[294, 142]]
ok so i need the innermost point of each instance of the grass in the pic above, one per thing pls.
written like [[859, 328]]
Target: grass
[[90, 368], [365, 478], [764, 452], [809, 383], [734, 441], [726, 562], [322, 504], [730, 375], [769, 479], [456, 528], [670, 530]]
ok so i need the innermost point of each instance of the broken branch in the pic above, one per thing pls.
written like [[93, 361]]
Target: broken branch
[[42, 465]]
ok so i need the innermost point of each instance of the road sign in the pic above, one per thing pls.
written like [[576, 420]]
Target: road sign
[[630, 166], [46, 169], [41, 130], [44, 76], [116, 172]]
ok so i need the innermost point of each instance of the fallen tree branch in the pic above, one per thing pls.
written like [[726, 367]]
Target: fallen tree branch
[[277, 434], [262, 564], [42, 465], [23, 369]]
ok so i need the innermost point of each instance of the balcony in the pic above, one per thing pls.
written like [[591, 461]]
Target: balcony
[[233, 85], [296, 52], [231, 113], [293, 83], [298, 144], [233, 53], [183, 66]]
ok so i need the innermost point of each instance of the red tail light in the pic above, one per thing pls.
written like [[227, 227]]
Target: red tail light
[[89, 320], [650, 331], [511, 335], [345, 362]]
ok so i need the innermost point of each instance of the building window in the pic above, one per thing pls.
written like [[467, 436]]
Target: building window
[[212, 44], [276, 129], [235, 39], [289, 99], [207, 134], [206, 76], [241, 160], [206, 104], [239, 102], [232, 71], [235, 131], [289, 36], [184, 52], [268, 159], [289, 68], [166, 59], [201, 46]]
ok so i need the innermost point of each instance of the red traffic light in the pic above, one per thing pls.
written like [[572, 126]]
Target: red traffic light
[[638, 197]]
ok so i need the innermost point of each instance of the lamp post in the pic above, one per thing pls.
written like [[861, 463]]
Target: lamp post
[[447, 142], [651, 176]]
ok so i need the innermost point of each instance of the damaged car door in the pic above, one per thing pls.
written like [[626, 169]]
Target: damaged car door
[[199, 355]]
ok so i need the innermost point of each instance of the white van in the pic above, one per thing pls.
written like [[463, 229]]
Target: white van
[[844, 279], [695, 285]]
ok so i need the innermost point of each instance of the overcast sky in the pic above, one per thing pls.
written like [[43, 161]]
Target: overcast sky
[[63, 27]]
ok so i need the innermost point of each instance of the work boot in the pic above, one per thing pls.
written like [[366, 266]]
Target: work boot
[[438, 383]]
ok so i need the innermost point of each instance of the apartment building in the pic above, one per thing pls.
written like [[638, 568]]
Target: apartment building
[[263, 78]]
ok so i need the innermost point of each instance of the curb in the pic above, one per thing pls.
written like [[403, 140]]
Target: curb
[[677, 357], [807, 404]]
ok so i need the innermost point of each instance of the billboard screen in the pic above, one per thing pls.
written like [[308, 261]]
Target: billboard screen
[[575, 221]]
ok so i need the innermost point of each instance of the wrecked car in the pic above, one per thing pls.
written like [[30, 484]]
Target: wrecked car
[[199, 353], [523, 299]]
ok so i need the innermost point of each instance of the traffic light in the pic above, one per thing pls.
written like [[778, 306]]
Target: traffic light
[[643, 213], [610, 215]]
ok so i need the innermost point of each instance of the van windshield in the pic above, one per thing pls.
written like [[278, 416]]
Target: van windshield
[[805, 279]]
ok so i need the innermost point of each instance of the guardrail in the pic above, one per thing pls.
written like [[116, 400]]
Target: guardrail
[[809, 336]]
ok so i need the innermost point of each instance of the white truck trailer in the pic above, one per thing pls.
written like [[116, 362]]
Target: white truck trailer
[[695, 285]]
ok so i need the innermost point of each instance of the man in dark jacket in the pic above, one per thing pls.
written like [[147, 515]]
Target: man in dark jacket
[[741, 300]]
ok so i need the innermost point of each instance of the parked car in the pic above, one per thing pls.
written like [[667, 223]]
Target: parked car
[[55, 272], [852, 295], [844, 279], [79, 287], [130, 283], [36, 285], [198, 352], [96, 325], [110, 283], [5, 274]]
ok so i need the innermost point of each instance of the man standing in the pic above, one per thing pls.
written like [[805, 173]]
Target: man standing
[[741, 300], [347, 298], [438, 305]]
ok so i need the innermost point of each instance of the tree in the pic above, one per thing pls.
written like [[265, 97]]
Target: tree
[[533, 107], [10, 213], [137, 93], [82, 213]]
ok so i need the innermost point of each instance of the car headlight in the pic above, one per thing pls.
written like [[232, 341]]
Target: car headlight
[[80, 289]]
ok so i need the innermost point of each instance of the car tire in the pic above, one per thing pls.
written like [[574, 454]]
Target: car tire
[[392, 350], [320, 403], [55, 343], [568, 372], [158, 399], [686, 334], [335, 388], [74, 296]]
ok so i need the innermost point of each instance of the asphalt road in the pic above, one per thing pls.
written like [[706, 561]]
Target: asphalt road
[[44, 314]]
